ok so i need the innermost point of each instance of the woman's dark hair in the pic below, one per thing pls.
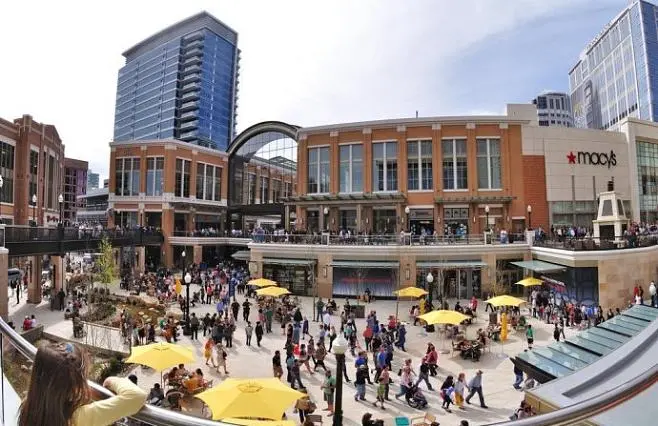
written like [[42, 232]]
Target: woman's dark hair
[[58, 386]]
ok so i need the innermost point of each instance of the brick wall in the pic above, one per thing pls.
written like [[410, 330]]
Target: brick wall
[[534, 191]]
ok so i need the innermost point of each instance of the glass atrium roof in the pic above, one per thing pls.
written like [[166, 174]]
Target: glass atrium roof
[[562, 358]]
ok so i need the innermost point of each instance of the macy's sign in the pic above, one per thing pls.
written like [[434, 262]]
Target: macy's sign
[[593, 158]]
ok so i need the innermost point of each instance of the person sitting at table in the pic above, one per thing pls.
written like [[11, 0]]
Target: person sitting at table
[[468, 312], [156, 395], [482, 337], [172, 378], [458, 307], [182, 372]]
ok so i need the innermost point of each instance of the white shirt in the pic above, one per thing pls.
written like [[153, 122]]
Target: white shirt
[[326, 318], [652, 289]]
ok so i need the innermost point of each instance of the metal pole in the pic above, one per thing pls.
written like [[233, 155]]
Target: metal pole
[[338, 412], [2, 379]]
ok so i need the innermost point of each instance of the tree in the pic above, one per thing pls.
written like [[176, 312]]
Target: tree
[[105, 263]]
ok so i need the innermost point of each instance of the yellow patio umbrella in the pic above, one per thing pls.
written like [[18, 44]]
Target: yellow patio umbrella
[[272, 291], [411, 292], [262, 282], [530, 282], [255, 398], [249, 422], [505, 300], [444, 317], [161, 355]]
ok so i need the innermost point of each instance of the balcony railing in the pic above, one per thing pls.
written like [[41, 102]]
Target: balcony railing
[[20, 234], [591, 243], [382, 240]]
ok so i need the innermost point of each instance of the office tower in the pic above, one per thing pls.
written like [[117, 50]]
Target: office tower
[[93, 180], [617, 73], [181, 83], [554, 109], [75, 184]]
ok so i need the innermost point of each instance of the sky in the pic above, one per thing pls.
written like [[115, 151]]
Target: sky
[[303, 62]]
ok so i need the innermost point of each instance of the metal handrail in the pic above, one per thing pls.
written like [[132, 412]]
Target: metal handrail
[[148, 414], [590, 407]]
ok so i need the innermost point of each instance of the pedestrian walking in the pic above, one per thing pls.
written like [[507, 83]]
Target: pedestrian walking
[[194, 327], [249, 329], [259, 332], [475, 386]]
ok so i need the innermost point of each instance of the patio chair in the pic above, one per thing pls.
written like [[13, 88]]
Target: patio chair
[[402, 421], [425, 420], [315, 418]]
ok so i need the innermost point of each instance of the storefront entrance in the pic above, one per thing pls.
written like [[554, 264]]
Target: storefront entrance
[[296, 278], [421, 221], [455, 221], [452, 283]]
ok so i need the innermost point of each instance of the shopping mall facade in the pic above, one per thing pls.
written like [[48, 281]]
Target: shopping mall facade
[[380, 204]]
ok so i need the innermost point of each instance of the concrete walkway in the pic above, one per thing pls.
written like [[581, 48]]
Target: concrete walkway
[[251, 361]]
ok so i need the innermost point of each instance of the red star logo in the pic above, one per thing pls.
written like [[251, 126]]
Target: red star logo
[[571, 158]]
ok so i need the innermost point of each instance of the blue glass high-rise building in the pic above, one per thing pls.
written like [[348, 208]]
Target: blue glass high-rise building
[[617, 73], [181, 83]]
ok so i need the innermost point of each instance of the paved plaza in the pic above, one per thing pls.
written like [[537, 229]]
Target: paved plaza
[[245, 361]]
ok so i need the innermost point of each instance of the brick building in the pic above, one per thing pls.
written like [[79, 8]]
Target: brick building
[[31, 165]]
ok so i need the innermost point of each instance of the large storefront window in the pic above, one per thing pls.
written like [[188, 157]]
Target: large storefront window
[[297, 279], [7, 172], [385, 221], [488, 163], [350, 282], [318, 170], [351, 168], [449, 283], [182, 178], [126, 175], [276, 190], [455, 220], [264, 190], [251, 188], [384, 166], [647, 164], [455, 165], [313, 220], [419, 165], [154, 175], [125, 219]]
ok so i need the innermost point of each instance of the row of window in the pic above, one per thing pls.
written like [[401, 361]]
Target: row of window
[[419, 166], [277, 192]]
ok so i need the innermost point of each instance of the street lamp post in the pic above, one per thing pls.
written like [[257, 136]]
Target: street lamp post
[[430, 279], [188, 280], [339, 348], [406, 212], [486, 211], [61, 205], [529, 216], [34, 209], [326, 218], [182, 255]]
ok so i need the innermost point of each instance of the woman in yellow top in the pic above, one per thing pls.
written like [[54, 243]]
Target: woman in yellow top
[[59, 394]]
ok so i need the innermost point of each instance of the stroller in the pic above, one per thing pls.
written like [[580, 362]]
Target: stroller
[[415, 398]]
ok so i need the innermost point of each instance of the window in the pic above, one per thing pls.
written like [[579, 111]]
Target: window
[[208, 182], [264, 190], [287, 189], [488, 162], [182, 178], [126, 176], [7, 173], [351, 168], [419, 165], [276, 190], [34, 173], [154, 175], [252, 188], [318, 170], [385, 166], [455, 168], [50, 194]]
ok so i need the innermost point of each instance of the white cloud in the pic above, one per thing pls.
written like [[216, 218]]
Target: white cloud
[[305, 62]]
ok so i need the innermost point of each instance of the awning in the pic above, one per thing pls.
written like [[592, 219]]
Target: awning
[[363, 265], [242, 255], [454, 264], [293, 262], [539, 266]]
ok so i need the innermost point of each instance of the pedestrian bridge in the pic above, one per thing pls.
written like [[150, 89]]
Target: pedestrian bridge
[[31, 241]]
